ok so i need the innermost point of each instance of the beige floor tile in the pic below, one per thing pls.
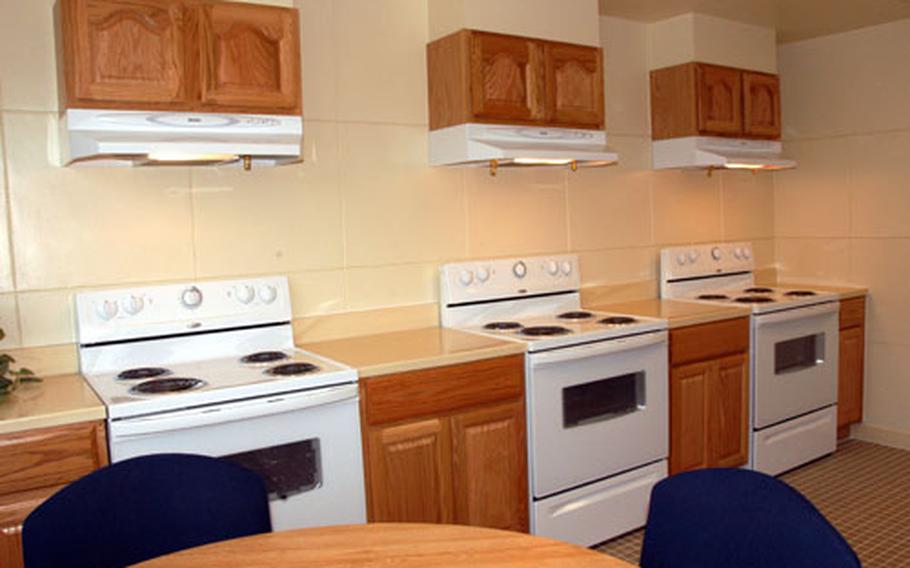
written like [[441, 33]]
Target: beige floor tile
[[398, 210], [272, 220], [517, 212], [91, 226]]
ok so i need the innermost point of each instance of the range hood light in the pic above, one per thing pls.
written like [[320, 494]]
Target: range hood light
[[736, 166], [177, 156], [543, 161]]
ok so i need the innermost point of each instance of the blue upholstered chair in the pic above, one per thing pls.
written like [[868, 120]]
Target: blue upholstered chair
[[145, 507], [735, 518]]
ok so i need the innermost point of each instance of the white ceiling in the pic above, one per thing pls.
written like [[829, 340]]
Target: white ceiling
[[794, 20]]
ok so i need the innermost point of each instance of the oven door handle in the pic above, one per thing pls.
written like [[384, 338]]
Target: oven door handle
[[599, 348], [231, 412], [762, 320]]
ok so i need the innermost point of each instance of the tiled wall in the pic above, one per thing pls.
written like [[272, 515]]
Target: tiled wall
[[844, 214], [363, 224]]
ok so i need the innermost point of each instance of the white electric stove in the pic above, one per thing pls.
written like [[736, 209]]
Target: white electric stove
[[596, 387], [794, 350], [211, 368]]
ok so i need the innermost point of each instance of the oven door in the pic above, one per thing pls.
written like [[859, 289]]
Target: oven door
[[795, 362], [596, 410], [304, 444]]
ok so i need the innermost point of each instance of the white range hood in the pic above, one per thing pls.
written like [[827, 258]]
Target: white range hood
[[708, 152], [147, 138], [494, 145]]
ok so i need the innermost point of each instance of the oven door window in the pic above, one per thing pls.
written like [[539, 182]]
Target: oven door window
[[287, 469], [603, 399], [798, 354]]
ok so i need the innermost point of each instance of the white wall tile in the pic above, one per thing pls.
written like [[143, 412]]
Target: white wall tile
[[272, 220], [78, 227], [9, 321]]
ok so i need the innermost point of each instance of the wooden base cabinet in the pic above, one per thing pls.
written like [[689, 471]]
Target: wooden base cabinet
[[35, 464], [709, 396], [447, 445], [851, 361]]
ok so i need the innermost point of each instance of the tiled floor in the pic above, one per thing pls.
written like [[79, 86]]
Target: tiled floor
[[863, 489]]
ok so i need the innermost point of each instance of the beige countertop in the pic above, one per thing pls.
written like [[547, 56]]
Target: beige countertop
[[400, 351], [845, 292], [677, 313], [56, 401]]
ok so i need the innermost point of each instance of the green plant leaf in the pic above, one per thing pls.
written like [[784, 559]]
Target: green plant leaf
[[6, 385]]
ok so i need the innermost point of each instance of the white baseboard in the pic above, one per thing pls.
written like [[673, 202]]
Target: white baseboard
[[884, 436]]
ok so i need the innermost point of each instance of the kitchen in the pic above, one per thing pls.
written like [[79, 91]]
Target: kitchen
[[362, 226]]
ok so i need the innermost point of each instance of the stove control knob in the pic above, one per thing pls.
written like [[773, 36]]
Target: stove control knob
[[520, 270], [553, 268], [191, 298], [107, 310], [133, 305], [483, 274], [268, 293], [747, 253], [693, 255], [466, 277], [245, 294], [566, 267], [681, 259], [737, 253], [715, 253]]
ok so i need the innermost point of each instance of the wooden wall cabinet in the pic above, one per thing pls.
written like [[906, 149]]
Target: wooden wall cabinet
[[180, 55], [494, 78], [709, 395], [698, 99], [851, 358], [447, 445], [34, 465]]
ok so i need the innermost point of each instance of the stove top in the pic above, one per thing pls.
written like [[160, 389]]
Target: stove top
[[761, 298], [208, 381], [557, 330]]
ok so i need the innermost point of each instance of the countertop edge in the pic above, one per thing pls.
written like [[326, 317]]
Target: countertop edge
[[440, 361]]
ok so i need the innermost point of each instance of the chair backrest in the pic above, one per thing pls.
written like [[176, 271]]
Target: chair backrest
[[738, 518], [142, 508]]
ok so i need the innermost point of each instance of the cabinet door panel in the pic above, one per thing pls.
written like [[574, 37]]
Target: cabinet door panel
[[574, 78], [761, 105], [506, 81], [250, 57], [719, 100], [125, 51], [688, 415], [410, 473], [850, 376], [490, 467], [728, 413]]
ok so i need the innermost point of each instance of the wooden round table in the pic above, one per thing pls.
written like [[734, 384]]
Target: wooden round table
[[400, 545]]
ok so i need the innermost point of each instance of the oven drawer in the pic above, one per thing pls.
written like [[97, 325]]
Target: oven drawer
[[599, 511], [785, 446]]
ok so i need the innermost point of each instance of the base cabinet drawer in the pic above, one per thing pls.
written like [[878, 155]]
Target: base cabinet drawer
[[777, 449]]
